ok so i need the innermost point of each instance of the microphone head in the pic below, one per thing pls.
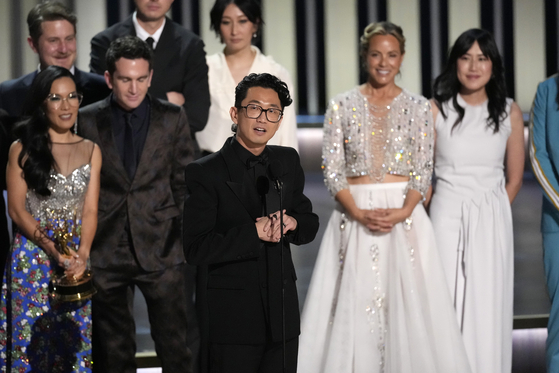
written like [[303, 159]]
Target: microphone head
[[262, 185], [276, 169]]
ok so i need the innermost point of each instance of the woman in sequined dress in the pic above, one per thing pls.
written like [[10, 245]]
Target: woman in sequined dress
[[51, 172], [479, 163], [377, 300]]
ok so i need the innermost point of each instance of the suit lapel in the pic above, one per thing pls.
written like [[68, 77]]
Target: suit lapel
[[240, 181], [105, 127], [128, 27]]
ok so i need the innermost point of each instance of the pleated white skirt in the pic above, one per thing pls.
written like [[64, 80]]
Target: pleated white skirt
[[475, 241], [379, 302]]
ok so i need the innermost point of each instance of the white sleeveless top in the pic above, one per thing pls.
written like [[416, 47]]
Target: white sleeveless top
[[469, 159]]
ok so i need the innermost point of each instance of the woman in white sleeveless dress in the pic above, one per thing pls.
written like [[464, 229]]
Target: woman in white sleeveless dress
[[378, 301], [479, 162]]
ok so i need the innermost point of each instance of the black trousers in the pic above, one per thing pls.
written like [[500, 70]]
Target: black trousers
[[114, 331], [264, 358]]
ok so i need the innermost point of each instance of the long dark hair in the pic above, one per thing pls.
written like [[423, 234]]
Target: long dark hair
[[36, 159], [447, 86]]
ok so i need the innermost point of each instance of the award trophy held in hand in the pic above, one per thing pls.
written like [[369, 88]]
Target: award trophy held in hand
[[65, 233]]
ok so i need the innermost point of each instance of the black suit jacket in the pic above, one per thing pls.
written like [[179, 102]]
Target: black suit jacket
[[179, 64], [242, 289], [13, 93], [154, 199]]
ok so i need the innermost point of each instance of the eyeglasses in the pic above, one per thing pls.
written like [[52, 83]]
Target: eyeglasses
[[255, 111], [74, 99]]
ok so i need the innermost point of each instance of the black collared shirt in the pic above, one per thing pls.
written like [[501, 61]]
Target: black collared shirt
[[244, 155], [140, 126], [259, 169]]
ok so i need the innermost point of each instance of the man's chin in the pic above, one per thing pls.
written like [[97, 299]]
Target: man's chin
[[63, 63]]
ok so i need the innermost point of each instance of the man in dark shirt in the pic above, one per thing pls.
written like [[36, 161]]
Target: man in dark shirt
[[232, 232], [180, 73], [146, 145]]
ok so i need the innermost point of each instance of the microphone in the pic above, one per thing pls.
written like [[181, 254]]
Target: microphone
[[276, 170], [262, 185]]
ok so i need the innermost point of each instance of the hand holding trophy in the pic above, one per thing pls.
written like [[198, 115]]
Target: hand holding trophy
[[64, 229]]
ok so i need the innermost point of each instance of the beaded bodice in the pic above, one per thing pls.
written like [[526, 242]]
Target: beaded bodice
[[67, 194], [63, 208], [359, 139]]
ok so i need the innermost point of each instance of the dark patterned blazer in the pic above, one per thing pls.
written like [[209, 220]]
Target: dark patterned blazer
[[153, 200], [241, 291], [179, 64], [13, 93]]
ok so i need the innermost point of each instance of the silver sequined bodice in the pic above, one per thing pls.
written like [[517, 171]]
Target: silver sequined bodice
[[348, 134], [66, 199]]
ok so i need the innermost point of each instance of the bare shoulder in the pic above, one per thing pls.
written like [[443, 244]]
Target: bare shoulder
[[15, 148], [516, 117]]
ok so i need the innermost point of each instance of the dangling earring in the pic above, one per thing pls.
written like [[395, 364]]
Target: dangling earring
[[254, 35], [76, 127]]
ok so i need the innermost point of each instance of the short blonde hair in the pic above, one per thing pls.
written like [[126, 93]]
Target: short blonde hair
[[380, 28]]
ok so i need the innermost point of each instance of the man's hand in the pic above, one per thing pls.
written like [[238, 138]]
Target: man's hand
[[289, 222], [266, 230]]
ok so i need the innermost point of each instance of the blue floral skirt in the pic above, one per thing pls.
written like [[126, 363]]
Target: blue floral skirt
[[37, 333]]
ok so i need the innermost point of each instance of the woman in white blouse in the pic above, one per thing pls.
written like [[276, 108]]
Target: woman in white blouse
[[237, 23]]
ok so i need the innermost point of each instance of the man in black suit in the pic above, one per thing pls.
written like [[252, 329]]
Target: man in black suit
[[180, 73], [232, 231], [146, 145], [52, 35]]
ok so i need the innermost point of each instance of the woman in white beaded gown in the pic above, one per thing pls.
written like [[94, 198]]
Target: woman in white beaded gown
[[377, 301], [238, 24], [479, 162]]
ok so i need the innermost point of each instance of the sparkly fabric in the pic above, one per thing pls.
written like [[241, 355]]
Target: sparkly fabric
[[45, 335], [348, 135], [378, 302]]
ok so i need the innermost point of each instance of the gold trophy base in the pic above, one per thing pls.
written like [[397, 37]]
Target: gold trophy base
[[68, 289]]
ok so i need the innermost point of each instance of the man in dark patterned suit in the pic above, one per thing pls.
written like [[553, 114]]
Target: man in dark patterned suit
[[146, 145]]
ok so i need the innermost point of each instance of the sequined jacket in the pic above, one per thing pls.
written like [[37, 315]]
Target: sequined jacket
[[346, 148]]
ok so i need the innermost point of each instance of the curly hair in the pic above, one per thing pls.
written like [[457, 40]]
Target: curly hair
[[447, 86], [263, 80]]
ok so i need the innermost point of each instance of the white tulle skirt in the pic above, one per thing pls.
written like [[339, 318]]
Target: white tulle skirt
[[379, 302]]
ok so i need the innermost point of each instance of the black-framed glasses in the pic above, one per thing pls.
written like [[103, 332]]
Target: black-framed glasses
[[255, 111], [74, 99]]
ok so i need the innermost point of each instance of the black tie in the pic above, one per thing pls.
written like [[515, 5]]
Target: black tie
[[150, 42], [129, 151]]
